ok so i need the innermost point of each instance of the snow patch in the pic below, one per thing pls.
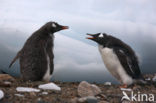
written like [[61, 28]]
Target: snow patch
[[1, 94], [49, 86], [107, 83], [27, 89], [126, 89], [44, 93]]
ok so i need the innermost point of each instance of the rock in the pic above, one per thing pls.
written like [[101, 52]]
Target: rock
[[92, 99], [27, 89], [19, 95], [39, 100], [1, 94], [107, 83], [101, 97], [49, 86], [7, 82], [89, 99], [74, 100], [32, 94], [86, 89], [125, 101], [82, 100], [103, 102], [154, 79]]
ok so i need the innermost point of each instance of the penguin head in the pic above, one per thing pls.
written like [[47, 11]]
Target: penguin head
[[100, 38], [53, 27]]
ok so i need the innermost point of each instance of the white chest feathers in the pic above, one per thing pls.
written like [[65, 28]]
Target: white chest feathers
[[114, 66], [47, 75]]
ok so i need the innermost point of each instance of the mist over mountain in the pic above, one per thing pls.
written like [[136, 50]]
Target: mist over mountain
[[76, 60]]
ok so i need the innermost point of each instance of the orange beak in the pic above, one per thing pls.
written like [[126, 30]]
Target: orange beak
[[65, 27], [90, 37]]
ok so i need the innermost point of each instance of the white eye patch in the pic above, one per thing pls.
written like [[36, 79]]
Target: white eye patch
[[101, 35], [53, 25]]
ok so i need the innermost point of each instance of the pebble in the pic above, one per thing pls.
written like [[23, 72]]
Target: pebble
[[19, 95], [154, 79], [74, 100], [32, 94], [125, 101], [148, 79], [89, 99], [44, 93], [103, 102], [86, 89], [126, 89]]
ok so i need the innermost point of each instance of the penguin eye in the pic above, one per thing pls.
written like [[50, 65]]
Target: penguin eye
[[101, 35], [53, 25]]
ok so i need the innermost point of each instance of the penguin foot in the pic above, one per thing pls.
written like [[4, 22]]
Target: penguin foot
[[123, 86]]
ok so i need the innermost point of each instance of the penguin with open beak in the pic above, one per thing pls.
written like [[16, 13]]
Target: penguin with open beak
[[119, 58]]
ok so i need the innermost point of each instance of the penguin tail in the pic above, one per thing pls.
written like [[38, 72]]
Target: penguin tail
[[2, 72], [16, 57]]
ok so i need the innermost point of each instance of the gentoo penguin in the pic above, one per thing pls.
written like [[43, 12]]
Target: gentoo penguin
[[119, 58], [36, 56]]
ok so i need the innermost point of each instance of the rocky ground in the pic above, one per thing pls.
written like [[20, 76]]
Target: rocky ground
[[72, 92]]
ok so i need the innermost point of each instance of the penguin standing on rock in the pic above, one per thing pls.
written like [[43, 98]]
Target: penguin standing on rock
[[36, 56], [119, 58]]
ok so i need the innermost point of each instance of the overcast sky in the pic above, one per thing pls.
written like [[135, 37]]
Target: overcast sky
[[133, 21]]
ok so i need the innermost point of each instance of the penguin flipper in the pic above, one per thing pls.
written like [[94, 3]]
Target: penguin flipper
[[129, 63], [16, 57]]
